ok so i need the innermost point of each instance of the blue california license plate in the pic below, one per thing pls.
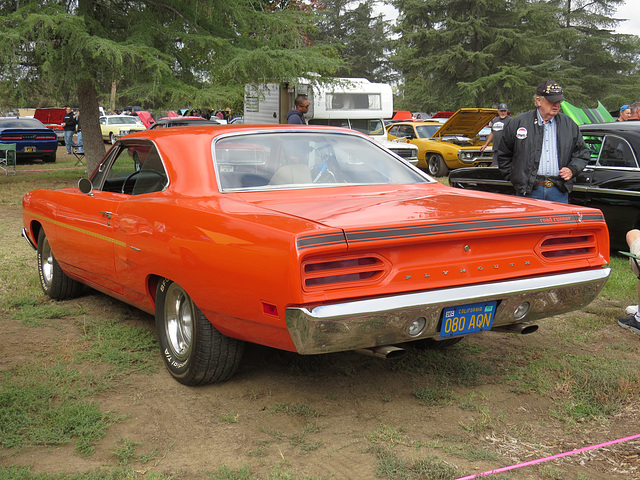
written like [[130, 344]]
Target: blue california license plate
[[465, 319]]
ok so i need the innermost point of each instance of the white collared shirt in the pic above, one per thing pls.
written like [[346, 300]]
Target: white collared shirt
[[549, 158]]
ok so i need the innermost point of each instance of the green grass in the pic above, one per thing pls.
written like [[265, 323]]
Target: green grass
[[48, 405]]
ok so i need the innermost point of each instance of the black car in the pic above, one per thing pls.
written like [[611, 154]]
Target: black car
[[183, 121], [610, 182]]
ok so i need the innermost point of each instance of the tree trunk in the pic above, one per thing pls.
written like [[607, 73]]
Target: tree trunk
[[94, 148]]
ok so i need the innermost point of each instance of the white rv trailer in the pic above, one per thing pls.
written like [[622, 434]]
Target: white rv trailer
[[354, 103]]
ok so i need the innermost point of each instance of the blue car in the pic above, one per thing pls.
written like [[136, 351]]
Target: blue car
[[32, 138]]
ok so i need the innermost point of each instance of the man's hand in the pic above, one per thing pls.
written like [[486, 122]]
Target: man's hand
[[566, 173]]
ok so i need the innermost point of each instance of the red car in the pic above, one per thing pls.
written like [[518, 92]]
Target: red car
[[52, 118], [307, 239]]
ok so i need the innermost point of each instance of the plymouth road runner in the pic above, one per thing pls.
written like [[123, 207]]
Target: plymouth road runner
[[307, 239]]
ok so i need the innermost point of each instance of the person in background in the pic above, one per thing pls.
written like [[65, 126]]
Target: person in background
[[497, 127], [79, 130], [625, 113], [296, 116], [69, 127], [634, 108], [542, 151], [632, 320]]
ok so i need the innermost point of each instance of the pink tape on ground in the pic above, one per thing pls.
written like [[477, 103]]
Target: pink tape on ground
[[546, 459]]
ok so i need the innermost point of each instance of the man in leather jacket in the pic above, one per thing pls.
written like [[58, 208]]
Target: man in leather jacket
[[542, 151]]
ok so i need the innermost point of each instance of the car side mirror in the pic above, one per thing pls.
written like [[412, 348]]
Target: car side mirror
[[85, 186]]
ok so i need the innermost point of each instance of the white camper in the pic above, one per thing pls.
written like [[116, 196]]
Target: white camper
[[354, 103]]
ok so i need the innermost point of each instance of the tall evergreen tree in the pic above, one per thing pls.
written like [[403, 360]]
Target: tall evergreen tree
[[460, 53], [357, 36], [169, 52]]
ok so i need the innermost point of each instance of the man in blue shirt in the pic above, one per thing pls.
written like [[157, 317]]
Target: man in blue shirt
[[296, 116], [542, 151]]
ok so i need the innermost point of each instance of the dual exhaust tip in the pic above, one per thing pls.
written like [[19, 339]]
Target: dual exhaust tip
[[391, 352]]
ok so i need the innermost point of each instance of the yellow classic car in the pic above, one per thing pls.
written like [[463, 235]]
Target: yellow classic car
[[450, 145], [115, 126]]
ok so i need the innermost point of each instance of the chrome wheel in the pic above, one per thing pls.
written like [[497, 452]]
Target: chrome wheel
[[178, 319], [47, 264]]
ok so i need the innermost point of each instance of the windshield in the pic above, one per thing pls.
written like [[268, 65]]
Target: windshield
[[123, 121], [426, 131], [303, 160]]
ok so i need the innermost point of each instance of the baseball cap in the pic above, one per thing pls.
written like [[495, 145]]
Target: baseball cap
[[551, 91], [503, 106]]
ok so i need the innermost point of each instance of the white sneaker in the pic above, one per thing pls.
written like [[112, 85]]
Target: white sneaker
[[631, 310]]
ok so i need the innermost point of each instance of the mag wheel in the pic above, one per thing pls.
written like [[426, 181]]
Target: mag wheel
[[194, 351], [54, 282], [436, 165]]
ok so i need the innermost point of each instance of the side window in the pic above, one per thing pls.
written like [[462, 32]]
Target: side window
[[594, 144], [133, 169], [103, 121], [395, 131], [616, 152]]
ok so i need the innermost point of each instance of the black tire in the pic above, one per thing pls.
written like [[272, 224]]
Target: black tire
[[436, 165], [194, 352], [432, 343], [112, 138], [51, 158], [54, 282]]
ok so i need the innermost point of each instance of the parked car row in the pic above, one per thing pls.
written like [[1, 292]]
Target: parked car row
[[449, 145]]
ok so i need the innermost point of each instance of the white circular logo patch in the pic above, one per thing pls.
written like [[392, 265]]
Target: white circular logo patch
[[522, 133]]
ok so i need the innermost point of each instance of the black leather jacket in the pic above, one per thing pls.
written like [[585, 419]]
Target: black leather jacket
[[521, 146]]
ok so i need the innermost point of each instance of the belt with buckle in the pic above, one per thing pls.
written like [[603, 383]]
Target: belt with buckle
[[546, 183]]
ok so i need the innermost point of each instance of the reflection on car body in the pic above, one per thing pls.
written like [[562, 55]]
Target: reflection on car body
[[610, 182], [307, 239]]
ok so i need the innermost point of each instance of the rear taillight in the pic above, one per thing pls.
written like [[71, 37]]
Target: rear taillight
[[561, 247], [343, 271]]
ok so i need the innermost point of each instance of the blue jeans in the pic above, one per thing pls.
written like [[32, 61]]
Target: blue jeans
[[551, 194], [68, 140], [80, 148]]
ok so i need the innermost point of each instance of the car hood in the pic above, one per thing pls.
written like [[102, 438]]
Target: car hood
[[466, 122], [423, 205]]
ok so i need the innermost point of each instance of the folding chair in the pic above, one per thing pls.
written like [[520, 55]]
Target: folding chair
[[79, 156], [8, 160]]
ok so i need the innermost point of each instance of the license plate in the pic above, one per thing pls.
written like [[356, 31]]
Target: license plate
[[29, 149], [465, 319]]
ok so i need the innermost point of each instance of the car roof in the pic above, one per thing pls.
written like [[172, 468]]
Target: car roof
[[628, 126]]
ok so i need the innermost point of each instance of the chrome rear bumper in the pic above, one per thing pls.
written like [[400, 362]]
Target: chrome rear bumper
[[384, 321]]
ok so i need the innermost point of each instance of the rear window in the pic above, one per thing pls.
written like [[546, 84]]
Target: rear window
[[289, 160], [20, 123]]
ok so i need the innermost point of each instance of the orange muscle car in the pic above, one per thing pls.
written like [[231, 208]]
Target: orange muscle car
[[307, 239]]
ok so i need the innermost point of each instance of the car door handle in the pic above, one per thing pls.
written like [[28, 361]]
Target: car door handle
[[106, 214]]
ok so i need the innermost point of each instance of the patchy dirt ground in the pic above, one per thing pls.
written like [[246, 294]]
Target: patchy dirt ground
[[360, 400]]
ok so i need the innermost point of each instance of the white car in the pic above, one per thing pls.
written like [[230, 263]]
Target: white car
[[115, 126]]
